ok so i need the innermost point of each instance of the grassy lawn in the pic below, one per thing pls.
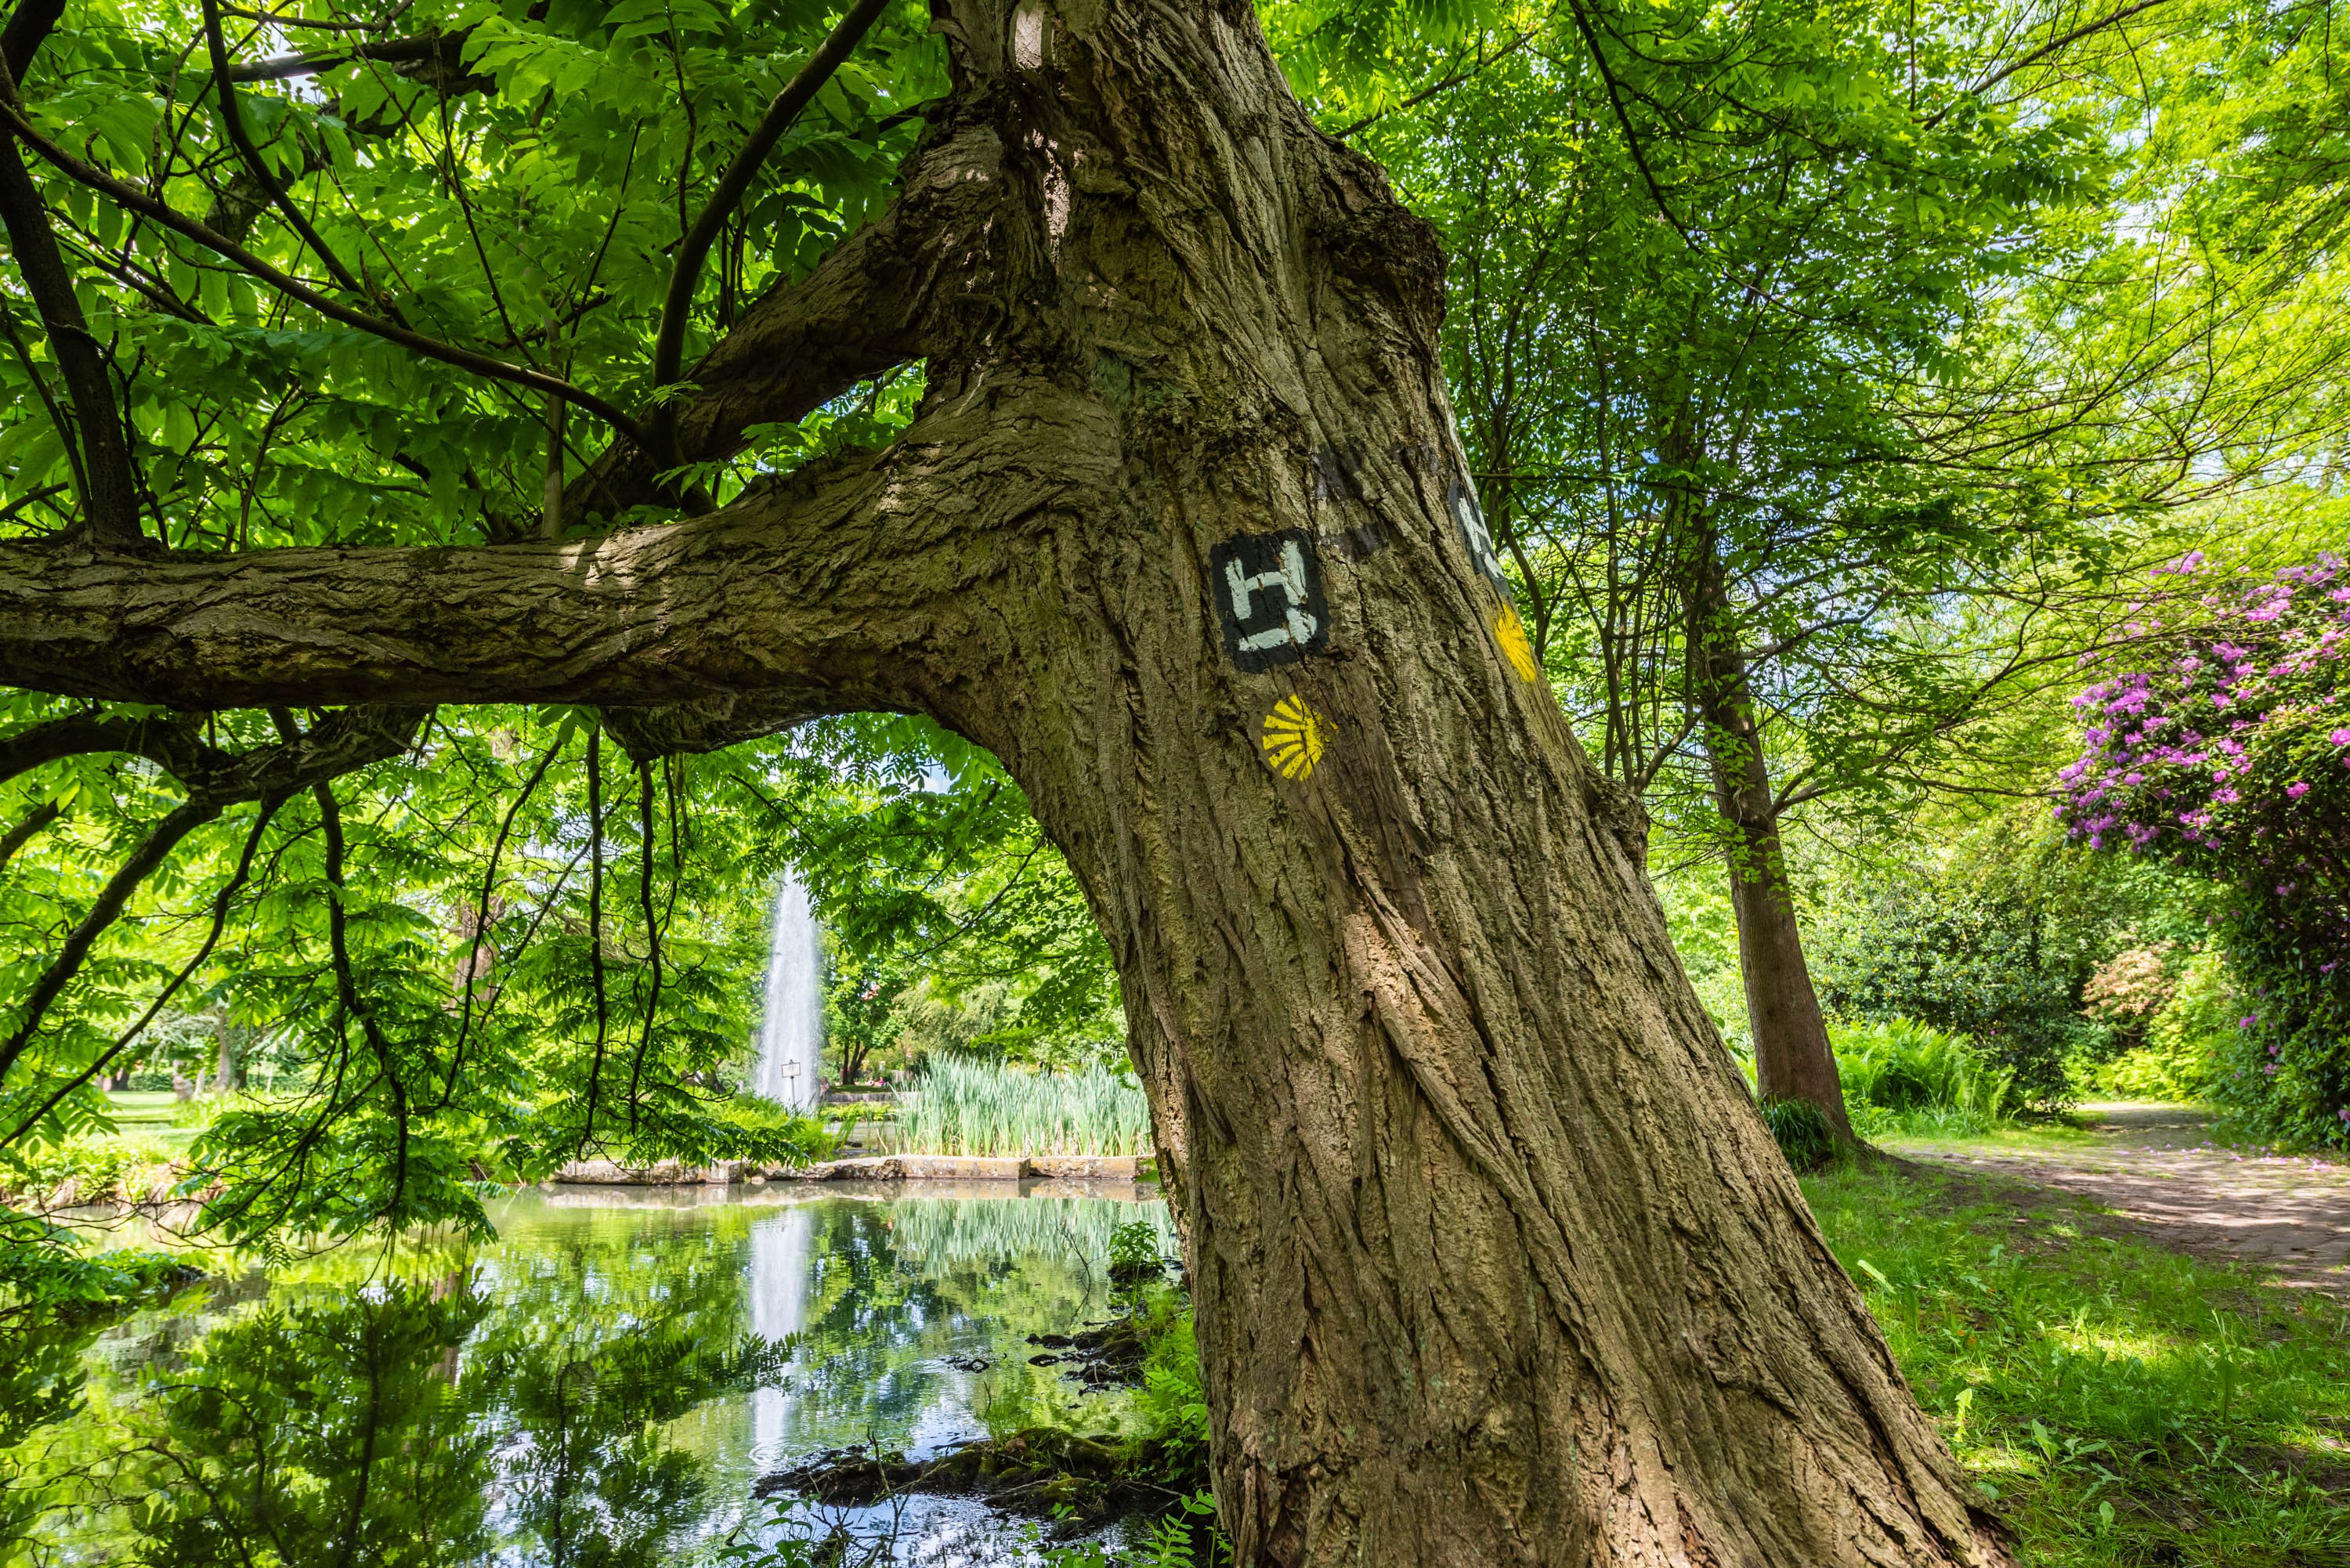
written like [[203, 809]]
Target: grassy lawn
[[156, 1113], [2115, 1402], [2050, 1137]]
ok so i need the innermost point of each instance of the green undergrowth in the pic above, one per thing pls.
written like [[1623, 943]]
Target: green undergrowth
[[1902, 1076], [2116, 1403]]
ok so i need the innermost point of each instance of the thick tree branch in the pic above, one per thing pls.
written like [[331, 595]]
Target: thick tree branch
[[886, 295], [30, 26], [16, 837], [824, 585], [708, 725], [232, 122], [435, 59], [110, 492], [799, 347], [348, 740]]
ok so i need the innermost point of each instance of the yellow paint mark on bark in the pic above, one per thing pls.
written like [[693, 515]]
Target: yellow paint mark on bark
[[1293, 738], [1511, 633]]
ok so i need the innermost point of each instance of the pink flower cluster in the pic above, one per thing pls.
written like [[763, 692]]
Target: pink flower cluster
[[2229, 749]]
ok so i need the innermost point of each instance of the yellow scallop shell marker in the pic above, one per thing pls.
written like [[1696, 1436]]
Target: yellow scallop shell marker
[[1511, 633], [1293, 738]]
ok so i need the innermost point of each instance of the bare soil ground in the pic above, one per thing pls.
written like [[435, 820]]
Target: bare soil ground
[[2160, 1168]]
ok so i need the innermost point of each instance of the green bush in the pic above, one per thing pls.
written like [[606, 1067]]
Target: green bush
[[2184, 1039], [802, 1138], [1901, 1076], [1988, 966], [1803, 1133], [961, 1106]]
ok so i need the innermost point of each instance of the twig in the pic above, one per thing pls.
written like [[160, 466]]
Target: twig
[[669, 344], [12, 118]]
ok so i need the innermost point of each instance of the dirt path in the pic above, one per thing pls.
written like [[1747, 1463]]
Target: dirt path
[[2160, 1167]]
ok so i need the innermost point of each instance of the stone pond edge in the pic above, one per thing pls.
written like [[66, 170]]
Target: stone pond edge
[[866, 1168]]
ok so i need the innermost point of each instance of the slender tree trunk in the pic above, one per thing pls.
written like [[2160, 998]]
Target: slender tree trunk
[[230, 1072], [1793, 1059], [1494, 1262]]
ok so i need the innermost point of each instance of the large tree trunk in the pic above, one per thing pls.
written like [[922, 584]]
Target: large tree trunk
[[1494, 1262], [1792, 1059]]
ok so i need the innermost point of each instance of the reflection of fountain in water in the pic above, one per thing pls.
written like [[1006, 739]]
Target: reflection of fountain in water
[[791, 1024], [780, 1263]]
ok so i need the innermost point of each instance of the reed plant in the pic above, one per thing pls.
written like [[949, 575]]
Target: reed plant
[[936, 1237], [962, 1104]]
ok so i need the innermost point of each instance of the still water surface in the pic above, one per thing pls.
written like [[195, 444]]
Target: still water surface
[[600, 1384]]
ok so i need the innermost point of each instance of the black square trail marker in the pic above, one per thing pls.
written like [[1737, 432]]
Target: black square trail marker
[[1268, 594]]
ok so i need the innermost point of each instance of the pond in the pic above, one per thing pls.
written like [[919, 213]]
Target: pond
[[602, 1383]]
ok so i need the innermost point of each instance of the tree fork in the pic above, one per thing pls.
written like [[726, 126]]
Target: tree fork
[[1494, 1262]]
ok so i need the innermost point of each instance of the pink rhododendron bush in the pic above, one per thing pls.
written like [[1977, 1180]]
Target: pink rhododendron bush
[[2225, 750]]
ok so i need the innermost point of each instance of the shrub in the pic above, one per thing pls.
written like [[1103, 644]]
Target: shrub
[[2128, 990], [785, 1136], [960, 1105], [102, 1167], [1986, 963], [2230, 757], [1801, 1131], [2184, 1040], [1900, 1076]]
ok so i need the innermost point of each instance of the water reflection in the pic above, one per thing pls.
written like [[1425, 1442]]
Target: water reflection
[[600, 1387]]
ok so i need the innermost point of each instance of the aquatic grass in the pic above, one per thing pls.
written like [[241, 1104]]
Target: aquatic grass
[[964, 1106], [2117, 1402], [936, 1238]]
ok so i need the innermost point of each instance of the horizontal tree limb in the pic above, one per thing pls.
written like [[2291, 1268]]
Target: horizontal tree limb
[[823, 590]]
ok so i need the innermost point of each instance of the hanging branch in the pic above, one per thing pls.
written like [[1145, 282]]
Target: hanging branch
[[183, 819], [347, 989], [669, 343], [481, 915], [652, 929], [596, 924], [1624, 122], [211, 937]]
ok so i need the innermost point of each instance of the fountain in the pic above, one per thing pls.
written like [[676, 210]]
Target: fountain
[[791, 1024], [780, 1263]]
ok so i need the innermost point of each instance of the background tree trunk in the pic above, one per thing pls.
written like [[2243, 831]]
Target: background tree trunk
[[230, 1072], [1792, 1059]]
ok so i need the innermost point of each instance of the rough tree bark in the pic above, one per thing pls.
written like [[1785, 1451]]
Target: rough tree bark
[[1494, 1262], [1792, 1059]]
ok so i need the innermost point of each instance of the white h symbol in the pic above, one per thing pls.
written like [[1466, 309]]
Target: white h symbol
[[1290, 578], [1479, 538]]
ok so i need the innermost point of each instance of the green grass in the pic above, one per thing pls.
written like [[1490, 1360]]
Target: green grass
[[964, 1106], [2115, 1402]]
